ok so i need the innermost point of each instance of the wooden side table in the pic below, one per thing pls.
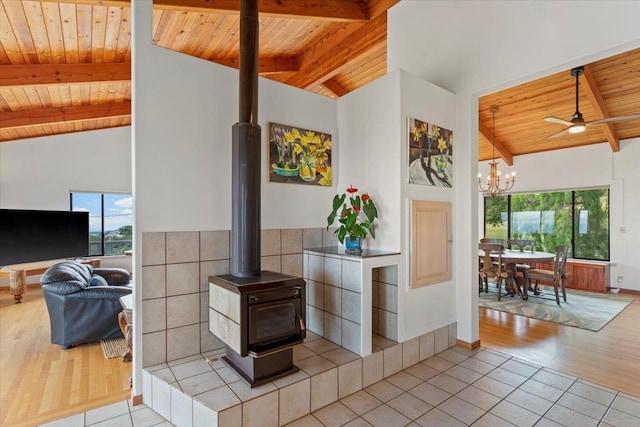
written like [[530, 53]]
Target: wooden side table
[[18, 273], [125, 320], [17, 282]]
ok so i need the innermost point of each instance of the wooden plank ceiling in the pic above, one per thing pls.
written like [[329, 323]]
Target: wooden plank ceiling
[[65, 66], [609, 88]]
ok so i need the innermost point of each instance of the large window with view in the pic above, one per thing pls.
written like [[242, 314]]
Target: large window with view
[[110, 221], [577, 218]]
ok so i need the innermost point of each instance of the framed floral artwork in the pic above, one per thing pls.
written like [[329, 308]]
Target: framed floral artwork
[[299, 156], [430, 150]]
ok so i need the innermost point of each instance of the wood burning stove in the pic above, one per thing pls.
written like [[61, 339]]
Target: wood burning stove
[[258, 314], [260, 319], [275, 317]]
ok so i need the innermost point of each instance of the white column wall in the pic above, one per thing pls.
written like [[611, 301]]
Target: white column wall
[[625, 226], [373, 120], [434, 306], [465, 225]]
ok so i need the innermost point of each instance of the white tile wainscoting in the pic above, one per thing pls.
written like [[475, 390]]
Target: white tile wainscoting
[[192, 392], [175, 283], [344, 299], [183, 387]]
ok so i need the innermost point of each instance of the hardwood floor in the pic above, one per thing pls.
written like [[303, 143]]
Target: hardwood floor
[[39, 381], [609, 357]]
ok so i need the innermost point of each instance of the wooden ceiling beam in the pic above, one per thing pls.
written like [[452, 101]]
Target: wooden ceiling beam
[[266, 65], [327, 10], [45, 74], [377, 7], [600, 108], [505, 154], [331, 54], [111, 3], [334, 87], [48, 116]]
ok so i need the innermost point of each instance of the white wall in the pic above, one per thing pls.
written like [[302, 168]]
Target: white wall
[[473, 48], [434, 306], [593, 166], [373, 119], [625, 231], [369, 159], [39, 173], [185, 108], [183, 112]]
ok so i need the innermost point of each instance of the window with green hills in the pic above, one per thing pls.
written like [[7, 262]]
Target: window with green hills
[[110, 221], [577, 218]]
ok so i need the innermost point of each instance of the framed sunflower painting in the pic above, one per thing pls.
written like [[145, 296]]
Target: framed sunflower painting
[[430, 154], [299, 156]]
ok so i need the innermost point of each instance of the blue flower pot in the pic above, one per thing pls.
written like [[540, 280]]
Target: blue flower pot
[[354, 246]]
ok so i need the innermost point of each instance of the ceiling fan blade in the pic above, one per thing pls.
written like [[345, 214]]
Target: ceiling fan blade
[[558, 120], [557, 134], [614, 119]]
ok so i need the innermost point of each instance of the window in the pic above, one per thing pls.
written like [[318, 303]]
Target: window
[[578, 218], [110, 221]]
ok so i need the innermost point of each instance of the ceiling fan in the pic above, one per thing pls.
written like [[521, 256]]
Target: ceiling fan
[[577, 123]]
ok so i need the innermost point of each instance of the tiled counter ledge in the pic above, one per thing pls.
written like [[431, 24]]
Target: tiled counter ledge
[[201, 390], [340, 296]]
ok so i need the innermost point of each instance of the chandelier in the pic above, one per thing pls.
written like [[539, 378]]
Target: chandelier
[[493, 187]]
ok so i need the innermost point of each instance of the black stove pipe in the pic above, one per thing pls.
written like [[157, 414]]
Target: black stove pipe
[[245, 168], [249, 61]]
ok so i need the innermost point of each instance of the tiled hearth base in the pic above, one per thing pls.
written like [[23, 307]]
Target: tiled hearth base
[[202, 391]]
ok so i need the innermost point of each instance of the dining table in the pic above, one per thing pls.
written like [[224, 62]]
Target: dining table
[[512, 258]]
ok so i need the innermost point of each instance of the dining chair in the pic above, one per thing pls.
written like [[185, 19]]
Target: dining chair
[[487, 240], [492, 268], [522, 244], [495, 241], [557, 277]]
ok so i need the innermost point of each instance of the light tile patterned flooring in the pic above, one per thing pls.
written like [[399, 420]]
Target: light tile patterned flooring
[[454, 388]]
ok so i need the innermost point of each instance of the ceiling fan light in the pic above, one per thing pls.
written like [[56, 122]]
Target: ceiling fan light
[[577, 129]]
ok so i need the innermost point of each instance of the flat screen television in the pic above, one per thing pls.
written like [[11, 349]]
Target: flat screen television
[[34, 235]]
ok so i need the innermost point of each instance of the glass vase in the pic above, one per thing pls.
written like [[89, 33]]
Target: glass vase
[[308, 168], [353, 246]]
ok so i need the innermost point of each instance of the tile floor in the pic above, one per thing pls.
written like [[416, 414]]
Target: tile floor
[[456, 387]]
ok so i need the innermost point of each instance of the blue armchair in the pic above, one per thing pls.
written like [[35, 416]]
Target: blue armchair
[[83, 302]]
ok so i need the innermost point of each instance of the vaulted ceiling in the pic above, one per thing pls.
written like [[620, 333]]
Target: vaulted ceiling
[[608, 88], [65, 66]]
